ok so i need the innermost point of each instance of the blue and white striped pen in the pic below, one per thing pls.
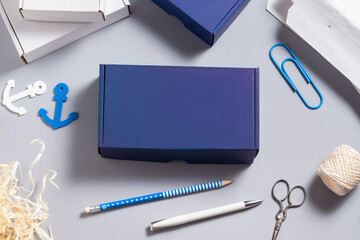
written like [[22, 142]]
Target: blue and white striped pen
[[158, 196]]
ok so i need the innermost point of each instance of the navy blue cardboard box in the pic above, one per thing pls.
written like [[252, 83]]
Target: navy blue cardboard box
[[196, 114], [208, 19]]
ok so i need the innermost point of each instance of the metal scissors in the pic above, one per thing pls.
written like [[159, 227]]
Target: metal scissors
[[282, 213]]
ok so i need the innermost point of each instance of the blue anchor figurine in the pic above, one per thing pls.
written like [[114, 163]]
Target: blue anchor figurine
[[60, 92]]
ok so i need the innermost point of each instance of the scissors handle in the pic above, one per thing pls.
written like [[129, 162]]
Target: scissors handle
[[287, 196], [283, 211], [280, 200], [291, 205]]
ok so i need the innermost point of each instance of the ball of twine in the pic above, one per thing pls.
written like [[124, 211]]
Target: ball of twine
[[340, 171]]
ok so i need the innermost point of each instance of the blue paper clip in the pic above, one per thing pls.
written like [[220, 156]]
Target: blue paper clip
[[302, 71]]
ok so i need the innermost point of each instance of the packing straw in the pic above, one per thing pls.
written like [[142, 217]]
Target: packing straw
[[340, 171], [21, 218]]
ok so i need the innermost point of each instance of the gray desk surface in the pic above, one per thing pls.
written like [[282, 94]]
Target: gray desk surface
[[294, 140]]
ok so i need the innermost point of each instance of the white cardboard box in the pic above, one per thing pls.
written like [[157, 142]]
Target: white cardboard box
[[34, 39], [64, 10]]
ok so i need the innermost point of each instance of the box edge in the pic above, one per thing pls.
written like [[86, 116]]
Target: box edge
[[257, 109], [101, 106], [80, 33], [203, 33], [12, 33], [229, 18]]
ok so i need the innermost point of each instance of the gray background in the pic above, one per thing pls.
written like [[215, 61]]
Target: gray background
[[293, 139]]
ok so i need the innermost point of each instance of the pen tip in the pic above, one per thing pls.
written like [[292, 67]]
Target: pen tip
[[253, 203]]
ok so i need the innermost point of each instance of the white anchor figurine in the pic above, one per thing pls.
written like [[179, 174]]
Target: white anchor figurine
[[39, 87]]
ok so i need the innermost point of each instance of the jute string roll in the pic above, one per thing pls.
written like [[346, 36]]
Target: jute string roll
[[340, 171]]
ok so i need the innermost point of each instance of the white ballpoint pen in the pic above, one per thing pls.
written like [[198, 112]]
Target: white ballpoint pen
[[192, 217]]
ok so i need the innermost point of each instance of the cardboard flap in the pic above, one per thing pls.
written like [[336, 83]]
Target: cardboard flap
[[102, 8], [63, 11], [127, 3], [279, 9]]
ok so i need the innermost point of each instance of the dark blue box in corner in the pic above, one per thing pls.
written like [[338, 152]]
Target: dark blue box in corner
[[208, 19], [196, 114]]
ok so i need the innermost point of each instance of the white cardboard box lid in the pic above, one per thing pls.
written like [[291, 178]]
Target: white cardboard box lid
[[63, 10], [34, 39]]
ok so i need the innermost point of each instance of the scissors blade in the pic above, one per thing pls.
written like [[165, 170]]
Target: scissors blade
[[277, 229], [275, 234]]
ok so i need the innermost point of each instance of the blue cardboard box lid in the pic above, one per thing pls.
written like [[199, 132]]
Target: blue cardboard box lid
[[206, 18], [196, 114]]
